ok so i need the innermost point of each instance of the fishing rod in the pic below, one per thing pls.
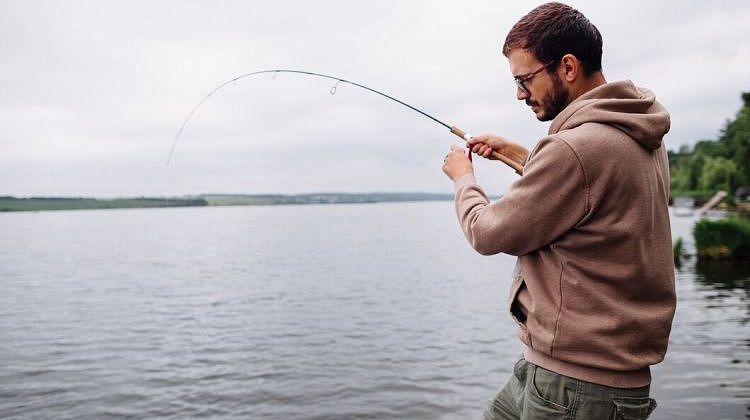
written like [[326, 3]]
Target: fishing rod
[[453, 129]]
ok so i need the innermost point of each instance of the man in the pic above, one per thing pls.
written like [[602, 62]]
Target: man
[[593, 289]]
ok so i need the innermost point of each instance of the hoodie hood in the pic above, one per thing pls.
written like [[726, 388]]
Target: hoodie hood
[[631, 109]]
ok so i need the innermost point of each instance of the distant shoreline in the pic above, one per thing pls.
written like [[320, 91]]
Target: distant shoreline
[[13, 204]]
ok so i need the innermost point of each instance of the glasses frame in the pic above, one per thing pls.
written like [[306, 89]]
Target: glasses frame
[[522, 79]]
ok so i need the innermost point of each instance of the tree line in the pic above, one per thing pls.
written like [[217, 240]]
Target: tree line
[[712, 165]]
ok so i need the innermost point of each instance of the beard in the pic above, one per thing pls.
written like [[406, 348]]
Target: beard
[[554, 101]]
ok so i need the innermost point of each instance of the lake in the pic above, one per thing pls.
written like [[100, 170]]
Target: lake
[[371, 311]]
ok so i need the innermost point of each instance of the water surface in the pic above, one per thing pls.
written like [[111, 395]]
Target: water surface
[[374, 311]]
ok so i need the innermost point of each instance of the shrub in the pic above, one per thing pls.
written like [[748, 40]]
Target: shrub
[[678, 252], [723, 239]]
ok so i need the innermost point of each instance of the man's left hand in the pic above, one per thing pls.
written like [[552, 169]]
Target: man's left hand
[[456, 163]]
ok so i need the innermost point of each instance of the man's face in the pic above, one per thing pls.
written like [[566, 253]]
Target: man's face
[[545, 92]]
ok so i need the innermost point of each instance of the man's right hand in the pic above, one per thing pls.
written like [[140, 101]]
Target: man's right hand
[[485, 144]]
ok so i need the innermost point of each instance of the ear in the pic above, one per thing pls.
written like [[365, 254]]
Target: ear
[[570, 67]]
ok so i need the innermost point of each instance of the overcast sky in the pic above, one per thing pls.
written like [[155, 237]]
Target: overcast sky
[[92, 93]]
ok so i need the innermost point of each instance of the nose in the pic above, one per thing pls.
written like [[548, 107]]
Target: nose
[[521, 94]]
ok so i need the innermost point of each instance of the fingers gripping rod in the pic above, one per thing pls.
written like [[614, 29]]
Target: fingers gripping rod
[[497, 155]]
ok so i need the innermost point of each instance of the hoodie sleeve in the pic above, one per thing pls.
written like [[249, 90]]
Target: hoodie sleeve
[[548, 200]]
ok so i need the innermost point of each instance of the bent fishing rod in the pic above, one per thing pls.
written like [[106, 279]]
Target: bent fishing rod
[[453, 129]]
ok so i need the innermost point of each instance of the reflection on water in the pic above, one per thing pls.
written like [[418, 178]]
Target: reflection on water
[[723, 274], [301, 312], [707, 371]]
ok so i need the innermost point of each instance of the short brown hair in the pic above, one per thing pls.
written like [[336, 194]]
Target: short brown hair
[[554, 29]]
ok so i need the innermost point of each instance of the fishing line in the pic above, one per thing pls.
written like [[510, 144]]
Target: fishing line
[[453, 129]]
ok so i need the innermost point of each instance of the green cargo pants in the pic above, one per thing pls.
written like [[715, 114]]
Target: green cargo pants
[[536, 393]]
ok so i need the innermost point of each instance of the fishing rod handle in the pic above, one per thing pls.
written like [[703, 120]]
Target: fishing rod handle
[[506, 160]]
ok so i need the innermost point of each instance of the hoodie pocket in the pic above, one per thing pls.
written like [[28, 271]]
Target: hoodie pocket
[[515, 288], [557, 326]]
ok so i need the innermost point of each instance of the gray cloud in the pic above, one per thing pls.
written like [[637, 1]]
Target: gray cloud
[[94, 92]]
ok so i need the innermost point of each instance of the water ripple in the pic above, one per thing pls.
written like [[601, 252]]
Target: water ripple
[[181, 314]]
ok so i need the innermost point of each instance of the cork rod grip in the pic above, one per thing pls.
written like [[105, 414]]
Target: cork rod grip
[[506, 160]]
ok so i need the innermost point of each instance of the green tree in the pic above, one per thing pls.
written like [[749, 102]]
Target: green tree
[[735, 137], [715, 164], [718, 173]]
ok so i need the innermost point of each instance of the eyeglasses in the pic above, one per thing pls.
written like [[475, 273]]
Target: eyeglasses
[[521, 80]]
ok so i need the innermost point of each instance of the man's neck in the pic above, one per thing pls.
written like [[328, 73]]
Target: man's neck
[[586, 84]]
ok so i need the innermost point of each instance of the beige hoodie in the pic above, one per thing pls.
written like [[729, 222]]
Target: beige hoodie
[[593, 290]]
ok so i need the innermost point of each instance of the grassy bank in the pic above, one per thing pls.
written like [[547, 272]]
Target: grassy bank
[[319, 198], [56, 203], [723, 239]]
